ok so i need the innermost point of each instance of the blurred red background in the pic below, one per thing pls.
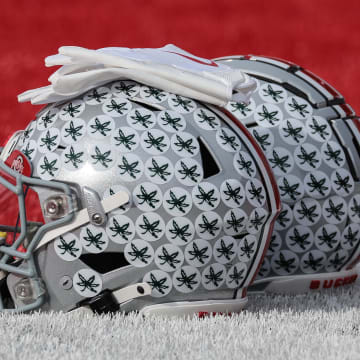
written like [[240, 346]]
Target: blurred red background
[[320, 35]]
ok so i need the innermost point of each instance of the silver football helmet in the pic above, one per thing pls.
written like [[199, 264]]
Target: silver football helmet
[[311, 139], [128, 197]]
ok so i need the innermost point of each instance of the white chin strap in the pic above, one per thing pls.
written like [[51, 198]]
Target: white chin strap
[[82, 217]]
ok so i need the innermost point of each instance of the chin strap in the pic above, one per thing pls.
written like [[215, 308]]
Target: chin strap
[[82, 217], [110, 301]]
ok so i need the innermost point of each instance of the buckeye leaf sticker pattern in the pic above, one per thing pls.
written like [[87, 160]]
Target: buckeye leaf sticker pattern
[[160, 282], [153, 94], [188, 171], [47, 119], [298, 108], [120, 229], [100, 127], [130, 167], [159, 169], [232, 193], [184, 144], [87, 283], [171, 121], [126, 88], [49, 140], [180, 230], [291, 188], [73, 131], [268, 115], [71, 110], [318, 128], [285, 262], [198, 253], [102, 157], [181, 104], [68, 247], [139, 253], [244, 165], [206, 119], [147, 196], [299, 238], [208, 225], [281, 161], [247, 248], [169, 257], [235, 221], [264, 138], [186, 279], [49, 166], [236, 275], [94, 239], [272, 93], [74, 157], [228, 140], [177, 201], [155, 142], [242, 110], [125, 139], [97, 96], [30, 149], [116, 107], [292, 131], [225, 249], [206, 196], [213, 276], [141, 119], [150, 226]]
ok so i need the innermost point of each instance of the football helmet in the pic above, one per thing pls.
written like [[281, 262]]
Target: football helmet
[[311, 139], [129, 197]]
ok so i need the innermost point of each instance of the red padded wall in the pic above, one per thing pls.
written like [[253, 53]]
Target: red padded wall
[[321, 35]]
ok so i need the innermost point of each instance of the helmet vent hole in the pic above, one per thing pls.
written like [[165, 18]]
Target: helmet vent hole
[[210, 164], [104, 262], [147, 105]]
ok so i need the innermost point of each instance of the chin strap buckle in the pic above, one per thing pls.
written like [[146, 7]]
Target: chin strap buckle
[[109, 301], [97, 215], [104, 303]]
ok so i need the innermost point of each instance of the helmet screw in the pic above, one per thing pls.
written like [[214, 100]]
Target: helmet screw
[[52, 207], [66, 282], [97, 219], [23, 291], [56, 206]]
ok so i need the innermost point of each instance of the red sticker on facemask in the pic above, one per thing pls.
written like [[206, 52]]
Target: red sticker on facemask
[[18, 162]]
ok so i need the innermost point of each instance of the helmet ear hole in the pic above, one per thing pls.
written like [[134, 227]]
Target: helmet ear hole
[[104, 262]]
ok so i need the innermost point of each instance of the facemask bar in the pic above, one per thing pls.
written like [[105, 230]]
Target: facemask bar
[[27, 268]]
